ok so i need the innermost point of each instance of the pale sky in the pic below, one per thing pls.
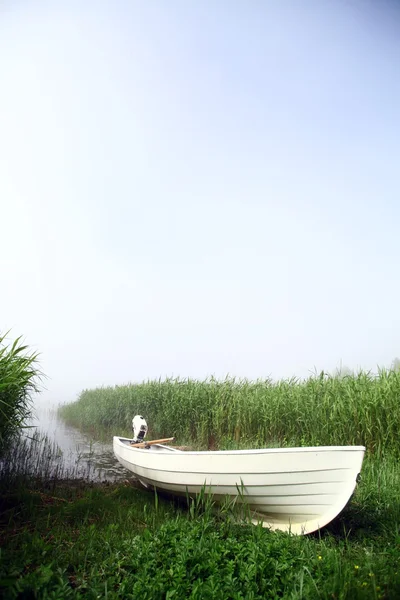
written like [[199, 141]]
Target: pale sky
[[200, 187]]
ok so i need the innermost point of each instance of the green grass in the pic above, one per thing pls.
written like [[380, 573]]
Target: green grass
[[323, 410], [75, 540], [35, 457], [19, 376]]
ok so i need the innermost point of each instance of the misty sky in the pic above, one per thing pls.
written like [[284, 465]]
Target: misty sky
[[200, 187]]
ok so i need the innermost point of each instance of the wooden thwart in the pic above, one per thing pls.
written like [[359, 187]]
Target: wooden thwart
[[144, 444]]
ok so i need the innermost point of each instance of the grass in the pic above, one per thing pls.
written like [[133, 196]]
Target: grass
[[323, 410], [76, 540], [34, 457], [19, 376], [66, 539]]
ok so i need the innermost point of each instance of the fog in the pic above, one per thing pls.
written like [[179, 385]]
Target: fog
[[198, 188]]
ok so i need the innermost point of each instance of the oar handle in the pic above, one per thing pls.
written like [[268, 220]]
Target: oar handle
[[144, 444]]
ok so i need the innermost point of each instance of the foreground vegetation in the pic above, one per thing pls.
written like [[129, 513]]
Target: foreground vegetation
[[19, 375], [62, 538], [78, 540], [323, 410]]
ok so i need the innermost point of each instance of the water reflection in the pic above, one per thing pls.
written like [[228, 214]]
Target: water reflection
[[81, 455]]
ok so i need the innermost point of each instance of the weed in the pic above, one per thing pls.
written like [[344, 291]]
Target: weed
[[323, 410]]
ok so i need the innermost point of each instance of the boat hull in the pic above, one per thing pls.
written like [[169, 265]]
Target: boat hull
[[291, 489]]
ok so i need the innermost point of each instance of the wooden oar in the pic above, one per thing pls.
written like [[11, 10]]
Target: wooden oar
[[144, 444]]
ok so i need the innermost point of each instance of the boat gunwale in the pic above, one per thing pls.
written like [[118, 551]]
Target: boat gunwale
[[249, 451]]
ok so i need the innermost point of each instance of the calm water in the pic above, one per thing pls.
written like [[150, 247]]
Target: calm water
[[82, 456]]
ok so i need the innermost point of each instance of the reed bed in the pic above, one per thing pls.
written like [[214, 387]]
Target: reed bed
[[33, 456], [322, 410], [19, 379]]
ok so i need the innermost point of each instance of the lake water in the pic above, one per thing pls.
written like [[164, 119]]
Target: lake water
[[81, 455]]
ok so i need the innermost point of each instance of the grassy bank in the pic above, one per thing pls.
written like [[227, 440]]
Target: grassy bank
[[66, 539], [74, 540], [362, 409]]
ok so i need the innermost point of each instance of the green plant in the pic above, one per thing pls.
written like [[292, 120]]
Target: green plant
[[322, 410], [19, 377], [83, 541], [71, 539]]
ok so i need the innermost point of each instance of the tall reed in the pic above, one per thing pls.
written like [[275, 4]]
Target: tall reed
[[19, 377], [322, 410]]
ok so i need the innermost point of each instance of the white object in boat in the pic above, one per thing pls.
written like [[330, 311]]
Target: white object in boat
[[139, 427], [292, 489]]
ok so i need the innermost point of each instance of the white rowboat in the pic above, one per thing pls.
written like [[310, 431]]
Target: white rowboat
[[292, 489]]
